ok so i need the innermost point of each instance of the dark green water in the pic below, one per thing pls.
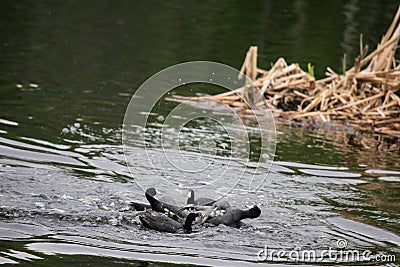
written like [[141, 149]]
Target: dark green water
[[67, 72]]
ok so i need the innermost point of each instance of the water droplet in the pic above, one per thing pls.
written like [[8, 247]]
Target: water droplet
[[72, 129], [224, 145], [265, 156]]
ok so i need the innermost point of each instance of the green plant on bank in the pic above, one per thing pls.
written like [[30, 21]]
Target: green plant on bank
[[310, 69]]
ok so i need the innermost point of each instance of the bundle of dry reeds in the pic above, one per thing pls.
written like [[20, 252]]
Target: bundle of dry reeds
[[363, 97]]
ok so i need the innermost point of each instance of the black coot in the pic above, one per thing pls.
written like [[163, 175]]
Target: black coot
[[163, 223], [163, 207], [231, 217]]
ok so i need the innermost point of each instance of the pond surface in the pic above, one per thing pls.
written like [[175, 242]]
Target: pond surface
[[67, 73]]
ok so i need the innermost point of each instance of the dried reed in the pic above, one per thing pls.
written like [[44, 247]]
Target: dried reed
[[363, 97]]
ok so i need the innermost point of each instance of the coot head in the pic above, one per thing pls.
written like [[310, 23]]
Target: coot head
[[254, 212], [151, 191]]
